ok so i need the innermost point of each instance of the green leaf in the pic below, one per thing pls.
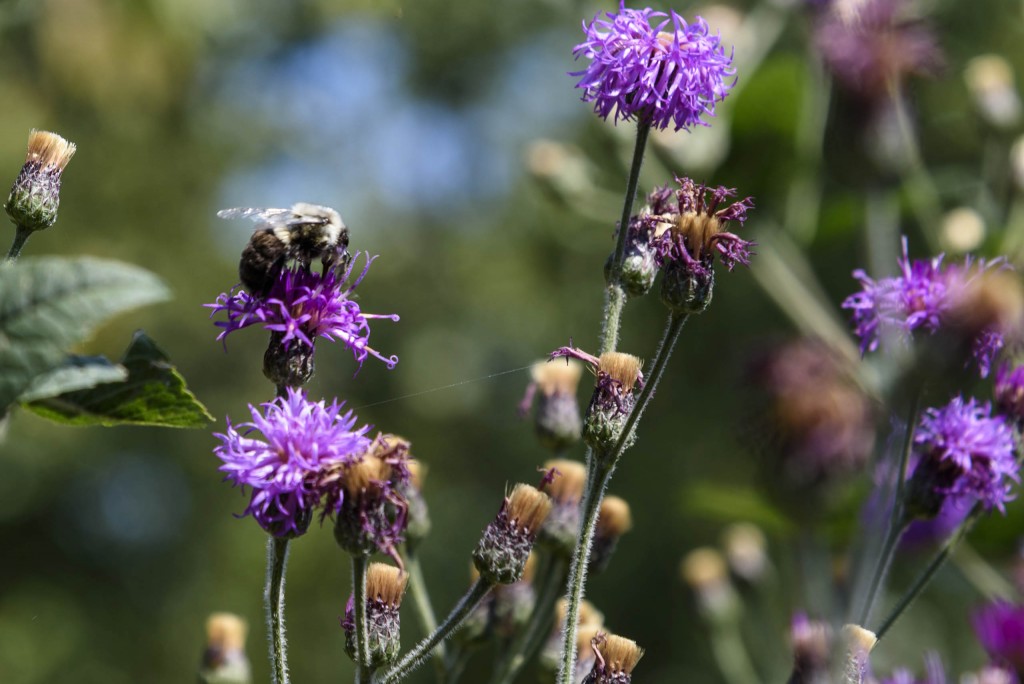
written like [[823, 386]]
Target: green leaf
[[76, 373], [731, 503], [48, 304], [154, 393]]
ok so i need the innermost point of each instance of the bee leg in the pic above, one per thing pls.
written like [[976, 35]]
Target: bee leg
[[337, 259]]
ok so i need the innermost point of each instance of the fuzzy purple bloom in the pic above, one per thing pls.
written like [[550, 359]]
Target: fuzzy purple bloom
[[966, 453], [924, 297], [303, 305], [297, 438], [1000, 629], [654, 67]]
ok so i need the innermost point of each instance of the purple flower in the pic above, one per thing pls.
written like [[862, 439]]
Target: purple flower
[[965, 454], [279, 454], [303, 305], [1000, 629], [638, 70], [929, 296]]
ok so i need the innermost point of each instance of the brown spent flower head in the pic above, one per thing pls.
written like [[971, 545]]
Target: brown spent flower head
[[359, 476], [622, 368], [225, 631], [527, 507], [587, 614], [417, 473], [616, 654], [49, 149], [614, 518], [35, 195], [704, 568], [569, 481], [993, 300], [385, 583], [745, 545], [556, 378]]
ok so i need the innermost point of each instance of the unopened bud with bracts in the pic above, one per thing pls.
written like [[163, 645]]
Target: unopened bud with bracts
[[513, 603], [288, 365], [812, 647], [418, 524], [614, 659], [705, 570], [35, 196], [858, 643], [613, 521], [501, 554], [385, 586], [557, 419], [639, 261], [745, 549], [590, 621], [618, 375], [224, 660], [559, 531]]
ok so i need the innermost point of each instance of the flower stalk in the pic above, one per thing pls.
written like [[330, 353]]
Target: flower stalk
[[359, 564], [422, 605], [273, 598]]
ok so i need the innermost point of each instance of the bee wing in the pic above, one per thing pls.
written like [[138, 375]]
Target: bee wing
[[261, 215]]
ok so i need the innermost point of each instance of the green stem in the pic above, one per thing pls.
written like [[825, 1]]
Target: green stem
[[615, 295], [422, 650], [602, 467], [273, 598], [922, 580], [529, 641], [363, 672], [424, 608], [896, 522], [20, 238], [731, 655], [917, 182]]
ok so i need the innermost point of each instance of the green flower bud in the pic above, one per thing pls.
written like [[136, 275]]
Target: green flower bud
[[35, 195], [501, 554]]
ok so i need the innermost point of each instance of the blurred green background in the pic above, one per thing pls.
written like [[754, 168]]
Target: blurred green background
[[419, 122]]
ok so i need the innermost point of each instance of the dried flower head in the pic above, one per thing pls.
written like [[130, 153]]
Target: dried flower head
[[35, 196], [746, 550], [1009, 392], [613, 520], [303, 305], [564, 485], [653, 67], [557, 420], [297, 440], [224, 658], [999, 627], [615, 658], [418, 525], [505, 546], [965, 454], [385, 586]]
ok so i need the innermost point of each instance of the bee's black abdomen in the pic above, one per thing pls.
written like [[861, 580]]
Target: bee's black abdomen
[[262, 260]]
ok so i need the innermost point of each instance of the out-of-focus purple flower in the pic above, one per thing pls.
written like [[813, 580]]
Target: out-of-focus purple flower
[[1000, 629], [928, 296], [654, 67], [303, 305], [690, 225], [965, 453], [280, 452], [1009, 392], [871, 46], [934, 673]]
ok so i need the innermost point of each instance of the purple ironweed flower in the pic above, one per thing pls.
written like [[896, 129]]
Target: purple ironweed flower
[[660, 77], [934, 673], [973, 300], [297, 439], [303, 305], [1009, 392], [966, 454], [999, 627], [870, 46]]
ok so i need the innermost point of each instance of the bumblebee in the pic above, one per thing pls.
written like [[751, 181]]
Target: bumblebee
[[303, 233]]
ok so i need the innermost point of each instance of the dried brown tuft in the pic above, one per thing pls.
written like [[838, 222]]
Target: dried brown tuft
[[619, 654], [530, 568], [226, 632], [567, 487], [417, 473], [585, 635], [614, 518], [359, 475], [528, 507], [49, 149], [993, 300], [558, 377], [625, 368], [698, 229], [703, 568], [588, 614], [385, 583]]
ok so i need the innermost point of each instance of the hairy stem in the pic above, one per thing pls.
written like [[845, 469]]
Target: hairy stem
[[20, 238], [424, 608], [359, 565], [602, 466], [422, 650], [273, 599]]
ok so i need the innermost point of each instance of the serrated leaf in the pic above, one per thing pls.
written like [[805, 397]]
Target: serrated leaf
[[49, 303], [153, 394], [76, 373]]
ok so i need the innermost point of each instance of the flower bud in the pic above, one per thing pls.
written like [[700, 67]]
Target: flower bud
[[639, 261], [613, 521], [35, 196], [963, 230], [859, 642], [513, 603], [744, 545], [384, 588], [705, 571], [559, 531], [418, 525], [224, 660], [617, 375], [990, 82], [589, 623], [501, 554], [615, 658], [685, 290], [812, 644], [287, 365], [557, 419]]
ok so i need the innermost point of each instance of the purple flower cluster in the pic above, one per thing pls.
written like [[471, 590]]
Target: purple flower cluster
[[280, 453], [640, 70], [1000, 629], [303, 305], [966, 453], [923, 297]]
